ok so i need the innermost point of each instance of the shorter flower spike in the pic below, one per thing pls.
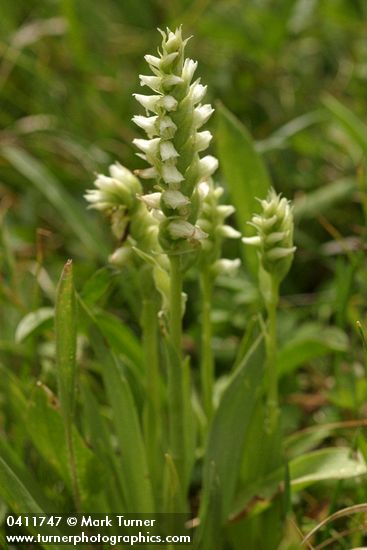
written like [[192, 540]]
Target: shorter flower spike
[[274, 235]]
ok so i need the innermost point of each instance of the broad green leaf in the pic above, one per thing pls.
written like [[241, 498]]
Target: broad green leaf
[[210, 535], [319, 201], [134, 472], [17, 466], [310, 342], [300, 442], [18, 497], [99, 438], [137, 486], [331, 463], [263, 448], [226, 440], [46, 430], [65, 334], [33, 321], [325, 464], [350, 122], [244, 172], [67, 208]]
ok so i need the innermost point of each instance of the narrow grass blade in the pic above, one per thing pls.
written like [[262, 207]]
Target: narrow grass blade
[[319, 201], [350, 122], [67, 208], [65, 332], [281, 136]]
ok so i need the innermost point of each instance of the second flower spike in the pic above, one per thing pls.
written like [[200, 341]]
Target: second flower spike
[[274, 235]]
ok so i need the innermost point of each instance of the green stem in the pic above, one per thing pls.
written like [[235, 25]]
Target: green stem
[[152, 413], [271, 359], [207, 359], [175, 373]]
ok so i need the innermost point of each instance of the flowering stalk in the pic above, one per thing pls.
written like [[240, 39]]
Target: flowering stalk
[[274, 239], [174, 116], [211, 221]]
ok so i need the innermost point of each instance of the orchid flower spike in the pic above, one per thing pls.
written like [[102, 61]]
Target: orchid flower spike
[[175, 114], [274, 235]]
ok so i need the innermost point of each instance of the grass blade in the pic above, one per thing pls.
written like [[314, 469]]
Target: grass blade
[[65, 330], [70, 211], [65, 333], [354, 127]]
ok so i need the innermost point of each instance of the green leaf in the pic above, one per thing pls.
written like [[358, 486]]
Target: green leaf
[[322, 465], [18, 497], [325, 464], [33, 321], [25, 477], [311, 341], [46, 430], [65, 334], [226, 440], [99, 438], [244, 172], [15, 493], [353, 125], [67, 208], [300, 442], [137, 486]]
